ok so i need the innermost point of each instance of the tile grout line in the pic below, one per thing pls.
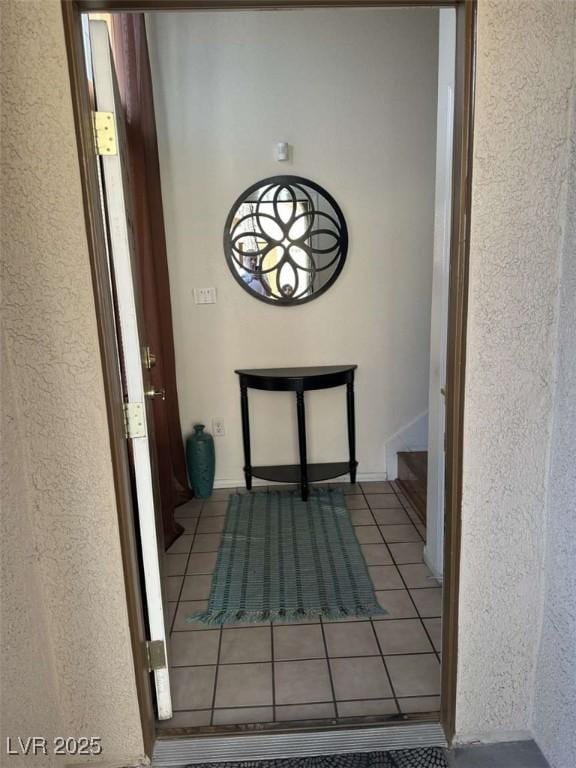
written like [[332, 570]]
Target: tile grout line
[[397, 565], [417, 611], [218, 654], [379, 525], [311, 624], [375, 634], [328, 665], [434, 652], [343, 701], [408, 511], [413, 524], [213, 706], [186, 567], [392, 688], [328, 657], [330, 677], [416, 607], [297, 661]]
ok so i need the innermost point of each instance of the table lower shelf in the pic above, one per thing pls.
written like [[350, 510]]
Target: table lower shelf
[[291, 473]]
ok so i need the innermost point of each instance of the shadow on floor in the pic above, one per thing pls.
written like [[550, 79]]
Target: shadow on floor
[[516, 754]]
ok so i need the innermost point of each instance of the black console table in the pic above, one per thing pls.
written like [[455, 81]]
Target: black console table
[[299, 380]]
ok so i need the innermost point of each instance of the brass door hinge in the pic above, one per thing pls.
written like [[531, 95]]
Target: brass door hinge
[[105, 133], [134, 425], [155, 655]]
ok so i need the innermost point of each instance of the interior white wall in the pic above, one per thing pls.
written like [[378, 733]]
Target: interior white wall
[[555, 687], [354, 93], [411, 437], [521, 142]]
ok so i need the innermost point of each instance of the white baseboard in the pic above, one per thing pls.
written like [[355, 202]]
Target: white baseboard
[[238, 482], [438, 575], [371, 477], [411, 437]]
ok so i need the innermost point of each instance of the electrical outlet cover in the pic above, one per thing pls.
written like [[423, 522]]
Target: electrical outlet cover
[[218, 428]]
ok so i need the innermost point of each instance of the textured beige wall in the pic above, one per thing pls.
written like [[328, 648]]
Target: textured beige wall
[[66, 666], [521, 144], [555, 690]]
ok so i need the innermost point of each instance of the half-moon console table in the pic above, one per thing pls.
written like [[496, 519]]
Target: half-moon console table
[[299, 380]]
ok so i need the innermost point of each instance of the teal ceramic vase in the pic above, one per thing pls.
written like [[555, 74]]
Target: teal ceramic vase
[[201, 460]]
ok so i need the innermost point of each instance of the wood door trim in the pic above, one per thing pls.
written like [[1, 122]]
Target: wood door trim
[[456, 352], [457, 310]]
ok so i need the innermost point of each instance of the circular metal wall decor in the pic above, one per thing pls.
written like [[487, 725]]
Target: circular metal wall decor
[[285, 240]]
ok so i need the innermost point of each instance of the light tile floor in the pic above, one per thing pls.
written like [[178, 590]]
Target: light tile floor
[[313, 670]]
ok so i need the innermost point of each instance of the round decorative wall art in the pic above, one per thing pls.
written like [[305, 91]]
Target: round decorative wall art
[[285, 240]]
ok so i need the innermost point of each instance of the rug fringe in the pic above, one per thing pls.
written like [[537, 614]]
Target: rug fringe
[[255, 617]]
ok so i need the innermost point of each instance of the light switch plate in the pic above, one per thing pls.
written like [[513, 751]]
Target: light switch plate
[[205, 295]]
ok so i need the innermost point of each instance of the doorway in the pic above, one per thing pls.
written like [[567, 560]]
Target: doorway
[[374, 503]]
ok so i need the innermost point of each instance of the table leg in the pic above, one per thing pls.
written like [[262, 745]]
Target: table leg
[[246, 435], [351, 430], [302, 444]]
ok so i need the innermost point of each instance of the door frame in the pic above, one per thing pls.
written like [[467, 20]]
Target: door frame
[[457, 311]]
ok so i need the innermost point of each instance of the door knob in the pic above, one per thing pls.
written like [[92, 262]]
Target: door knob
[[152, 392]]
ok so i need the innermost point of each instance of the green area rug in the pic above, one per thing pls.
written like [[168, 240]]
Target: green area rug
[[284, 559]]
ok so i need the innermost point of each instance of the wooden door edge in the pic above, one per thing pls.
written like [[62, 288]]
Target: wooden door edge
[[104, 309]]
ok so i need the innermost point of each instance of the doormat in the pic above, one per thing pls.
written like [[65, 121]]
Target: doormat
[[284, 559], [427, 757]]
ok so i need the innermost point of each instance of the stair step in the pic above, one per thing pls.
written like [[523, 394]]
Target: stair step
[[413, 478]]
